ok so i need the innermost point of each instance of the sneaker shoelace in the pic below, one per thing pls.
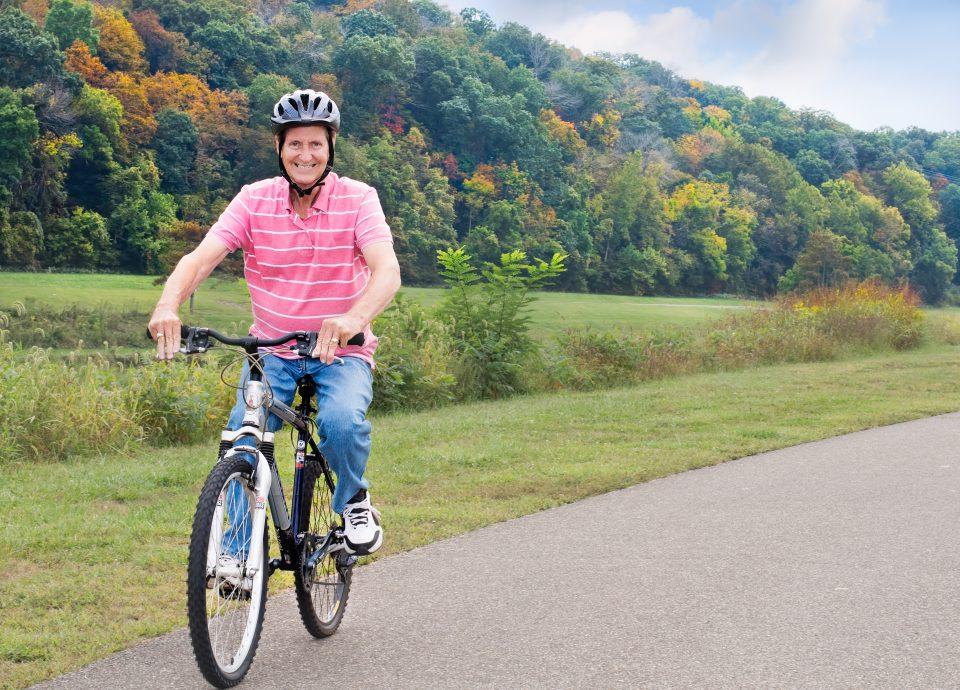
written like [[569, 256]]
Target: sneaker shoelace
[[358, 516]]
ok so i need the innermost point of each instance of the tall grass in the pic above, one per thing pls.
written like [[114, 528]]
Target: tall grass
[[816, 326], [53, 407], [72, 326]]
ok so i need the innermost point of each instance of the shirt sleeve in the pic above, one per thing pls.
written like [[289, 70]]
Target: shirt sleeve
[[233, 226], [371, 225]]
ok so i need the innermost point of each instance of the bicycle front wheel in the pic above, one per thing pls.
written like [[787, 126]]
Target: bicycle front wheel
[[225, 602], [322, 590]]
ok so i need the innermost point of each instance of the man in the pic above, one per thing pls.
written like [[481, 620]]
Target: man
[[318, 255]]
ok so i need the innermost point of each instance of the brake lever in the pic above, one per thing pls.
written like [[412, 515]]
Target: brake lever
[[307, 343], [194, 340]]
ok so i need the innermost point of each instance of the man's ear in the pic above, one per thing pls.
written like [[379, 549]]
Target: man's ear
[[276, 143]]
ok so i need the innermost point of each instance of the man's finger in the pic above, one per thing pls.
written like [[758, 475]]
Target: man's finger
[[168, 341], [327, 351]]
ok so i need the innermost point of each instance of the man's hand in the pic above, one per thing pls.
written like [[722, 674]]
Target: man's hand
[[334, 333], [164, 327]]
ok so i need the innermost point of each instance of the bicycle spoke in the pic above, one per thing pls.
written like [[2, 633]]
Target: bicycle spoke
[[227, 611]]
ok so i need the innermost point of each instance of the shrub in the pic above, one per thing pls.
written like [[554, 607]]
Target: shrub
[[53, 408], [414, 359], [487, 312], [815, 326], [867, 314]]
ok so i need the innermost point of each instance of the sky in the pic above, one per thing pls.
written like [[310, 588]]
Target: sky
[[871, 63]]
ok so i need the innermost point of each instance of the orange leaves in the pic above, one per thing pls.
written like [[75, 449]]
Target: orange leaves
[[178, 91], [35, 9], [564, 133], [693, 148], [89, 67], [138, 123], [481, 182], [351, 6], [121, 47], [218, 115]]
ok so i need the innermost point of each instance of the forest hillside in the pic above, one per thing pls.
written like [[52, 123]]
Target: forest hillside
[[126, 127]]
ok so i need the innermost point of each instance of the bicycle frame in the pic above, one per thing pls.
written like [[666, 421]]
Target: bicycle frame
[[265, 478]]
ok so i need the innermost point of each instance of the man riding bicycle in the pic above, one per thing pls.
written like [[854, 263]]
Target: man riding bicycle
[[318, 256]]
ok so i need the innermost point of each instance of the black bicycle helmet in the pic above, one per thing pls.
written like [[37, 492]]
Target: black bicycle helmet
[[305, 107]]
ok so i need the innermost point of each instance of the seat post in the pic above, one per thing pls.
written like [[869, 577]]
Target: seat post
[[307, 389]]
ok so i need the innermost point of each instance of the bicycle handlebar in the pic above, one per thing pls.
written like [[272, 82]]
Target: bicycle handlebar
[[194, 339]]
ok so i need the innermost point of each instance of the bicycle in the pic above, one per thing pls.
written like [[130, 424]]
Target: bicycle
[[227, 592]]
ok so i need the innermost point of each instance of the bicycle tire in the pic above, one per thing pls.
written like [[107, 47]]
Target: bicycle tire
[[204, 596], [322, 594]]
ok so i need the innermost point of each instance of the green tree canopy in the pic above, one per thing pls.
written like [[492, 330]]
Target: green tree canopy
[[27, 54], [72, 21], [18, 131], [175, 143]]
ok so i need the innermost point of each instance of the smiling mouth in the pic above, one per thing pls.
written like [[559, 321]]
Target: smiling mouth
[[303, 166]]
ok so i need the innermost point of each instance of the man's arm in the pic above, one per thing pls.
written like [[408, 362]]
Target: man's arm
[[191, 270], [383, 285]]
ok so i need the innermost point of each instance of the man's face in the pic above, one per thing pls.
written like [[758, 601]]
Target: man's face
[[305, 153]]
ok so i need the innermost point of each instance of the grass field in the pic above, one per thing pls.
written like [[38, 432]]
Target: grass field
[[92, 553], [223, 304]]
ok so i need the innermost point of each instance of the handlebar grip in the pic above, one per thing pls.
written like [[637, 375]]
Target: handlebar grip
[[184, 332], [306, 347]]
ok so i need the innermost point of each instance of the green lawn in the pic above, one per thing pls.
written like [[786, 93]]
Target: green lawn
[[223, 304], [92, 552]]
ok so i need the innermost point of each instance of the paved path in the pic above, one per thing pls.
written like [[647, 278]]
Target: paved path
[[831, 564]]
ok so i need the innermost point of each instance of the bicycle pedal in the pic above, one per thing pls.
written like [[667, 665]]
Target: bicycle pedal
[[272, 566], [347, 560]]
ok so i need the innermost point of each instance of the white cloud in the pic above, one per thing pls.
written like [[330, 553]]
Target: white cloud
[[795, 52], [672, 37], [806, 53], [824, 54]]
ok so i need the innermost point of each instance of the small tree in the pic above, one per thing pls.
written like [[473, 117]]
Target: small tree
[[72, 21], [489, 318], [79, 240]]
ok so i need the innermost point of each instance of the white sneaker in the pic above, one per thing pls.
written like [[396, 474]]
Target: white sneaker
[[361, 527], [230, 575]]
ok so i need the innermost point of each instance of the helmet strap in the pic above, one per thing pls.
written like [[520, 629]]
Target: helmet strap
[[301, 192]]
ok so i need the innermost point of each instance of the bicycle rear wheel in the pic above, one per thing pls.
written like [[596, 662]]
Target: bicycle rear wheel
[[323, 590], [225, 605]]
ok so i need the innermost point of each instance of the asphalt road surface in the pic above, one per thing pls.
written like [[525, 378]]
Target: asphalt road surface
[[831, 564]]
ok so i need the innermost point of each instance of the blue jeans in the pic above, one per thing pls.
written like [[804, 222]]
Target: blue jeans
[[344, 392]]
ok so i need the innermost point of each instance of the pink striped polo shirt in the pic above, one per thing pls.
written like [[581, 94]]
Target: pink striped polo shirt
[[301, 271]]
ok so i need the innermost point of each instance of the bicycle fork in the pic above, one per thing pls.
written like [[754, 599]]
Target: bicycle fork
[[264, 483], [261, 484]]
